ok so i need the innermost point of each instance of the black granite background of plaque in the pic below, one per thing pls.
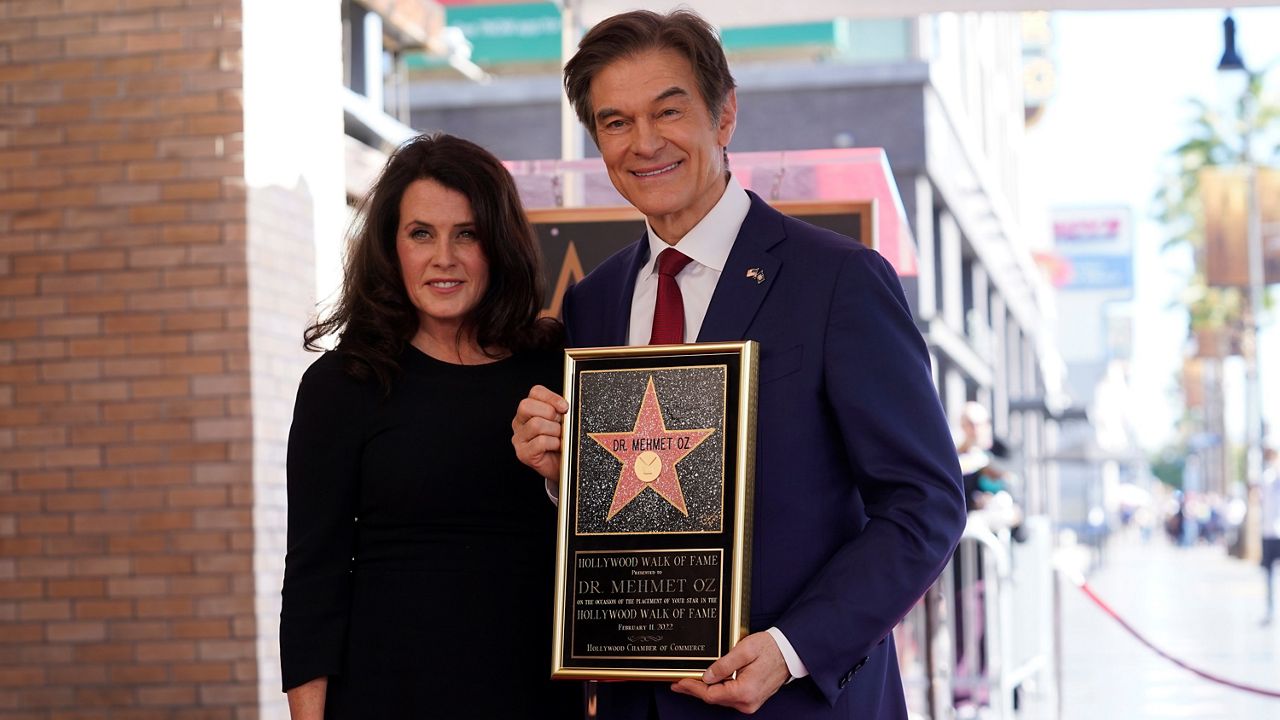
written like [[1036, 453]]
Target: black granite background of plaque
[[610, 401]]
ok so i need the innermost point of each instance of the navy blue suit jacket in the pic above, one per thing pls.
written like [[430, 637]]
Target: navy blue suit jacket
[[858, 499]]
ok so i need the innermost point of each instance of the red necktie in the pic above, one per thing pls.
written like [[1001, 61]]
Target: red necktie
[[668, 312]]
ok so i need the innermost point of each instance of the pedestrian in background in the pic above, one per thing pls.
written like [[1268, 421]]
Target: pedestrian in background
[[1270, 490]]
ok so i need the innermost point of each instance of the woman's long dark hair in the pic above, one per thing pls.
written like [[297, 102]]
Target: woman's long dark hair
[[374, 318]]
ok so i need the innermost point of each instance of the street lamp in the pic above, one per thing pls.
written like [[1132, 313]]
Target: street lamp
[[1231, 59], [1232, 63]]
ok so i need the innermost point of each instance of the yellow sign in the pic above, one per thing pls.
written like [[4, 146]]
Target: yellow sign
[[1224, 192]]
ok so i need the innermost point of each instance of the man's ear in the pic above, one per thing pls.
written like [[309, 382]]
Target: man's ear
[[728, 119]]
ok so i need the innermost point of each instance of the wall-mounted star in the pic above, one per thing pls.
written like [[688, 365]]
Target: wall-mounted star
[[649, 453]]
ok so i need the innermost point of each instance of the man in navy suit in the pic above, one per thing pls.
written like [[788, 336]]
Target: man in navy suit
[[857, 498]]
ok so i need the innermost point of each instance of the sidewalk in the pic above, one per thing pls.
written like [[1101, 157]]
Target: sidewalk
[[1199, 605]]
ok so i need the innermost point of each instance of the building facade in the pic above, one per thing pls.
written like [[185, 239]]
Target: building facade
[[167, 170]]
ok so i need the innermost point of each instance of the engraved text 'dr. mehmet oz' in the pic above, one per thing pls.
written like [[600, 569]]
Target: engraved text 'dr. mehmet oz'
[[649, 453]]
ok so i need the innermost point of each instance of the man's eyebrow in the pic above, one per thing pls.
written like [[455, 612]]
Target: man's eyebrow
[[672, 91]]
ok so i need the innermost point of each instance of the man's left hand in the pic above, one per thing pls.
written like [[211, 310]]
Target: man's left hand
[[761, 671]]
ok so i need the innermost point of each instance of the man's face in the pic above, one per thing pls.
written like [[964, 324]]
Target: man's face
[[658, 139]]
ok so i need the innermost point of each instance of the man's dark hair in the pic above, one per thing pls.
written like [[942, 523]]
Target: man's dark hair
[[375, 318], [639, 31]]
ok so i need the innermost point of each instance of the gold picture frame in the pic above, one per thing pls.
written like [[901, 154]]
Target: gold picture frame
[[653, 542]]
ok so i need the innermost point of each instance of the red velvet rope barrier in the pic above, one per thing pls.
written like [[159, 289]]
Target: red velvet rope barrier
[[1084, 586]]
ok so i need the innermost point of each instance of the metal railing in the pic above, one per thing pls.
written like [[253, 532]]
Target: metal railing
[[981, 644]]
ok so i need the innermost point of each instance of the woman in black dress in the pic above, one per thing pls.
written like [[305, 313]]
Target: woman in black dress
[[418, 578]]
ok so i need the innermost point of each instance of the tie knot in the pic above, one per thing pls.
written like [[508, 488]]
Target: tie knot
[[671, 261]]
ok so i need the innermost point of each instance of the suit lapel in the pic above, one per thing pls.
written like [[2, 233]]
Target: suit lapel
[[749, 273]]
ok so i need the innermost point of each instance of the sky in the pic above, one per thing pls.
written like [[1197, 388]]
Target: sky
[[1120, 107]]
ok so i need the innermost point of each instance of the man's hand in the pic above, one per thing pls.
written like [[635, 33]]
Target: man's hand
[[535, 430], [761, 671]]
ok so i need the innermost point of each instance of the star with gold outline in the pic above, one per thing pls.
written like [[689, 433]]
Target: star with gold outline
[[649, 453]]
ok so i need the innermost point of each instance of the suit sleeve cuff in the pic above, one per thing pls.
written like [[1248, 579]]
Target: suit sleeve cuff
[[794, 664]]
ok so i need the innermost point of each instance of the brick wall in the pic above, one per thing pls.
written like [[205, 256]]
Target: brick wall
[[126, 441]]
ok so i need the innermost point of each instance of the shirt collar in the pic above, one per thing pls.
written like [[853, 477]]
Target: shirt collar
[[709, 242]]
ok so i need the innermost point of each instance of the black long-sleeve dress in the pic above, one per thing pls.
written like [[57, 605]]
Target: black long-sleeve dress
[[420, 550]]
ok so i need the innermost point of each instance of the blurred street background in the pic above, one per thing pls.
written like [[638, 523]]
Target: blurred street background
[[1196, 604]]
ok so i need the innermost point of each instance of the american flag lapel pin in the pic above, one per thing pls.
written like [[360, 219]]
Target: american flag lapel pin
[[756, 274]]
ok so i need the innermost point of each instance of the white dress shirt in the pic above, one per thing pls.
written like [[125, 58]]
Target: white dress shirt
[[707, 244]]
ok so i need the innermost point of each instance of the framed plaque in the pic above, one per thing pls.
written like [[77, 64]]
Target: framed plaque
[[653, 571]]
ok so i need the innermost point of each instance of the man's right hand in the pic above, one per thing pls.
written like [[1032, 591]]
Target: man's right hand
[[535, 431]]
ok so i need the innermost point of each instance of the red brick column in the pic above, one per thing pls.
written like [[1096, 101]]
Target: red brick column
[[126, 442]]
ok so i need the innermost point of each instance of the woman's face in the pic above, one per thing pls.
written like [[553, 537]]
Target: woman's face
[[444, 269]]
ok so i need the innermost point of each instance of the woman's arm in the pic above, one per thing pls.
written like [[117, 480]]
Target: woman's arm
[[306, 702], [325, 447]]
